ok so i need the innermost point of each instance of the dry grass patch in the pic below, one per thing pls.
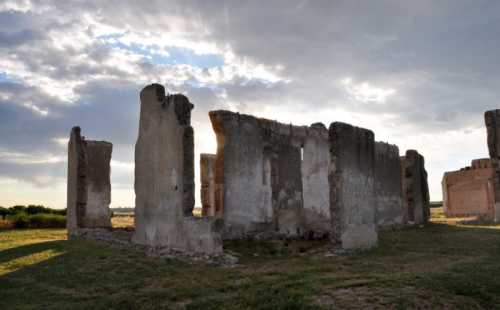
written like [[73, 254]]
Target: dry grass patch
[[122, 221]]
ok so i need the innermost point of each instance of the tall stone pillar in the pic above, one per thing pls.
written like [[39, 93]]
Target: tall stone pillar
[[164, 178], [89, 185], [351, 179], [388, 187], [493, 132], [207, 179], [415, 188], [316, 190], [243, 185]]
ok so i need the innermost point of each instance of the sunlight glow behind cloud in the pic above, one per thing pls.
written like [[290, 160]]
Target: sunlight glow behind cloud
[[366, 93]]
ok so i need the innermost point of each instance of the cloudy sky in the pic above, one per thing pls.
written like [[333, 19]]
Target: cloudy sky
[[420, 74]]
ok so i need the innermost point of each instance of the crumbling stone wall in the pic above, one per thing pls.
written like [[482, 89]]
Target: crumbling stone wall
[[493, 133], [415, 188], [164, 178], [469, 191], [89, 185], [207, 180], [390, 211], [242, 179], [315, 186], [351, 179], [259, 172], [286, 184]]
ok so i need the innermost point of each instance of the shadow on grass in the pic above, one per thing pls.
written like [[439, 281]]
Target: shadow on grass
[[30, 249]]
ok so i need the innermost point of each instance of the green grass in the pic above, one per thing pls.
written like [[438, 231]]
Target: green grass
[[438, 266]]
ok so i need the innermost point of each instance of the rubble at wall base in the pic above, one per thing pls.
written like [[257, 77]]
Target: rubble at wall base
[[122, 238]]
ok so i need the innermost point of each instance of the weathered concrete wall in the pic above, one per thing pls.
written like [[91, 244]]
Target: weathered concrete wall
[[415, 188], [469, 191], [351, 178], [243, 177], [98, 184], [315, 186], [164, 179], [286, 184], [390, 209], [207, 180], [260, 174], [492, 120], [89, 185]]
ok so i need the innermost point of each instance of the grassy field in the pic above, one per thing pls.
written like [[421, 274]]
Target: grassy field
[[439, 266]]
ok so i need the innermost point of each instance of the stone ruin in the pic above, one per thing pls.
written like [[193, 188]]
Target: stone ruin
[[267, 180], [352, 186], [207, 181], [390, 202], [415, 188], [270, 178], [273, 180], [164, 177], [492, 120], [89, 185], [469, 191], [475, 190]]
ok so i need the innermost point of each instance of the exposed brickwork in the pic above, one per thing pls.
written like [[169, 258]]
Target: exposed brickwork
[[469, 192]]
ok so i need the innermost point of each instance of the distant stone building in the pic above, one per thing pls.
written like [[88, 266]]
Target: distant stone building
[[469, 191]]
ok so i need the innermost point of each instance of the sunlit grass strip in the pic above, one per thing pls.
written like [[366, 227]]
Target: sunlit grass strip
[[28, 260], [16, 238]]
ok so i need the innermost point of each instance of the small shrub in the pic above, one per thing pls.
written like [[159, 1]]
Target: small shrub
[[18, 209], [34, 209], [59, 211], [19, 220], [4, 212], [42, 220]]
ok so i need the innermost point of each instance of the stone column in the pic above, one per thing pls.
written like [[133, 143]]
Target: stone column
[[415, 188], [207, 180], [243, 188], [89, 185], [493, 133], [286, 185], [164, 178], [316, 190], [388, 187], [351, 178]]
